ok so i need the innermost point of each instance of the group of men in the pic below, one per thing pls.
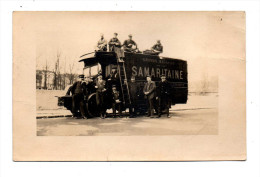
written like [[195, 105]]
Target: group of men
[[129, 45], [108, 91]]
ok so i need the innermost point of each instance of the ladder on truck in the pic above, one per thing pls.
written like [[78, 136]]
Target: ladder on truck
[[123, 83]]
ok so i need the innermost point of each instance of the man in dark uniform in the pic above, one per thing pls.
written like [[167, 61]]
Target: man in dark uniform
[[130, 45], [116, 102], [115, 46], [149, 92], [164, 96], [114, 43], [100, 95], [78, 90], [133, 89], [113, 78], [157, 48]]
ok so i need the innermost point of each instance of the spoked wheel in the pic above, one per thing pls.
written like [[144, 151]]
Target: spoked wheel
[[92, 108]]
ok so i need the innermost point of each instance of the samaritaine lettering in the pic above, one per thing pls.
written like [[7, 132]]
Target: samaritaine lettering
[[156, 72]]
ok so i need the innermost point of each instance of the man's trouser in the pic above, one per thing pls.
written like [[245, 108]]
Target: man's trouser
[[150, 106], [163, 102], [114, 106], [132, 107], [78, 103], [100, 103]]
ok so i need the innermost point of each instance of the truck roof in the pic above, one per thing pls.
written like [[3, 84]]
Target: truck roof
[[93, 58]]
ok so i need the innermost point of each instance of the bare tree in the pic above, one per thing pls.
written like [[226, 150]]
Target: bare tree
[[38, 74], [45, 70], [56, 71], [64, 75], [71, 74]]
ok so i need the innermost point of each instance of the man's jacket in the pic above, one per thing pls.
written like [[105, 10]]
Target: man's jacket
[[78, 87], [149, 87]]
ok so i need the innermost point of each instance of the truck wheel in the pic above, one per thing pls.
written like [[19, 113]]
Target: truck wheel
[[92, 108]]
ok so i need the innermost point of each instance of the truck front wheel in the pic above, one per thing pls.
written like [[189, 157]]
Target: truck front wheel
[[92, 108]]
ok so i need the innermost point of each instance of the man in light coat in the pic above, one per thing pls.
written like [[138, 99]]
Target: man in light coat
[[149, 92], [100, 95]]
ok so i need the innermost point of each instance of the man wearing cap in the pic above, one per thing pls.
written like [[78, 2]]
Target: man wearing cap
[[164, 96], [100, 95], [116, 102], [130, 45], [113, 77], [115, 46], [157, 48], [149, 92], [102, 44], [78, 90], [133, 89], [114, 43]]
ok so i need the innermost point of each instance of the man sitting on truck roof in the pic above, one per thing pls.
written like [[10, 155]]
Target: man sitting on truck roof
[[130, 45], [115, 46], [102, 44], [157, 48], [114, 43]]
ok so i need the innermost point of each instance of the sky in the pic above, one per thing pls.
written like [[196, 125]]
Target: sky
[[203, 39]]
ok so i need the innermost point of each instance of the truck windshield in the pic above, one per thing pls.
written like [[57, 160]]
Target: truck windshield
[[91, 71]]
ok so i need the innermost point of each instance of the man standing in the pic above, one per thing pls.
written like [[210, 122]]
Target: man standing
[[100, 95], [149, 92], [133, 96], [116, 103], [164, 96], [157, 48], [130, 45], [78, 90], [113, 77]]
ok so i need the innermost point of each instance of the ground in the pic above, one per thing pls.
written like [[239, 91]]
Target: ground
[[198, 116]]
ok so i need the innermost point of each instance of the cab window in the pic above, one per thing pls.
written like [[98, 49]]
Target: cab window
[[108, 69], [91, 71]]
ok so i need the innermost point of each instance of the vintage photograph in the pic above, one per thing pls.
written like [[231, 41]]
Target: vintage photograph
[[128, 73], [129, 86]]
